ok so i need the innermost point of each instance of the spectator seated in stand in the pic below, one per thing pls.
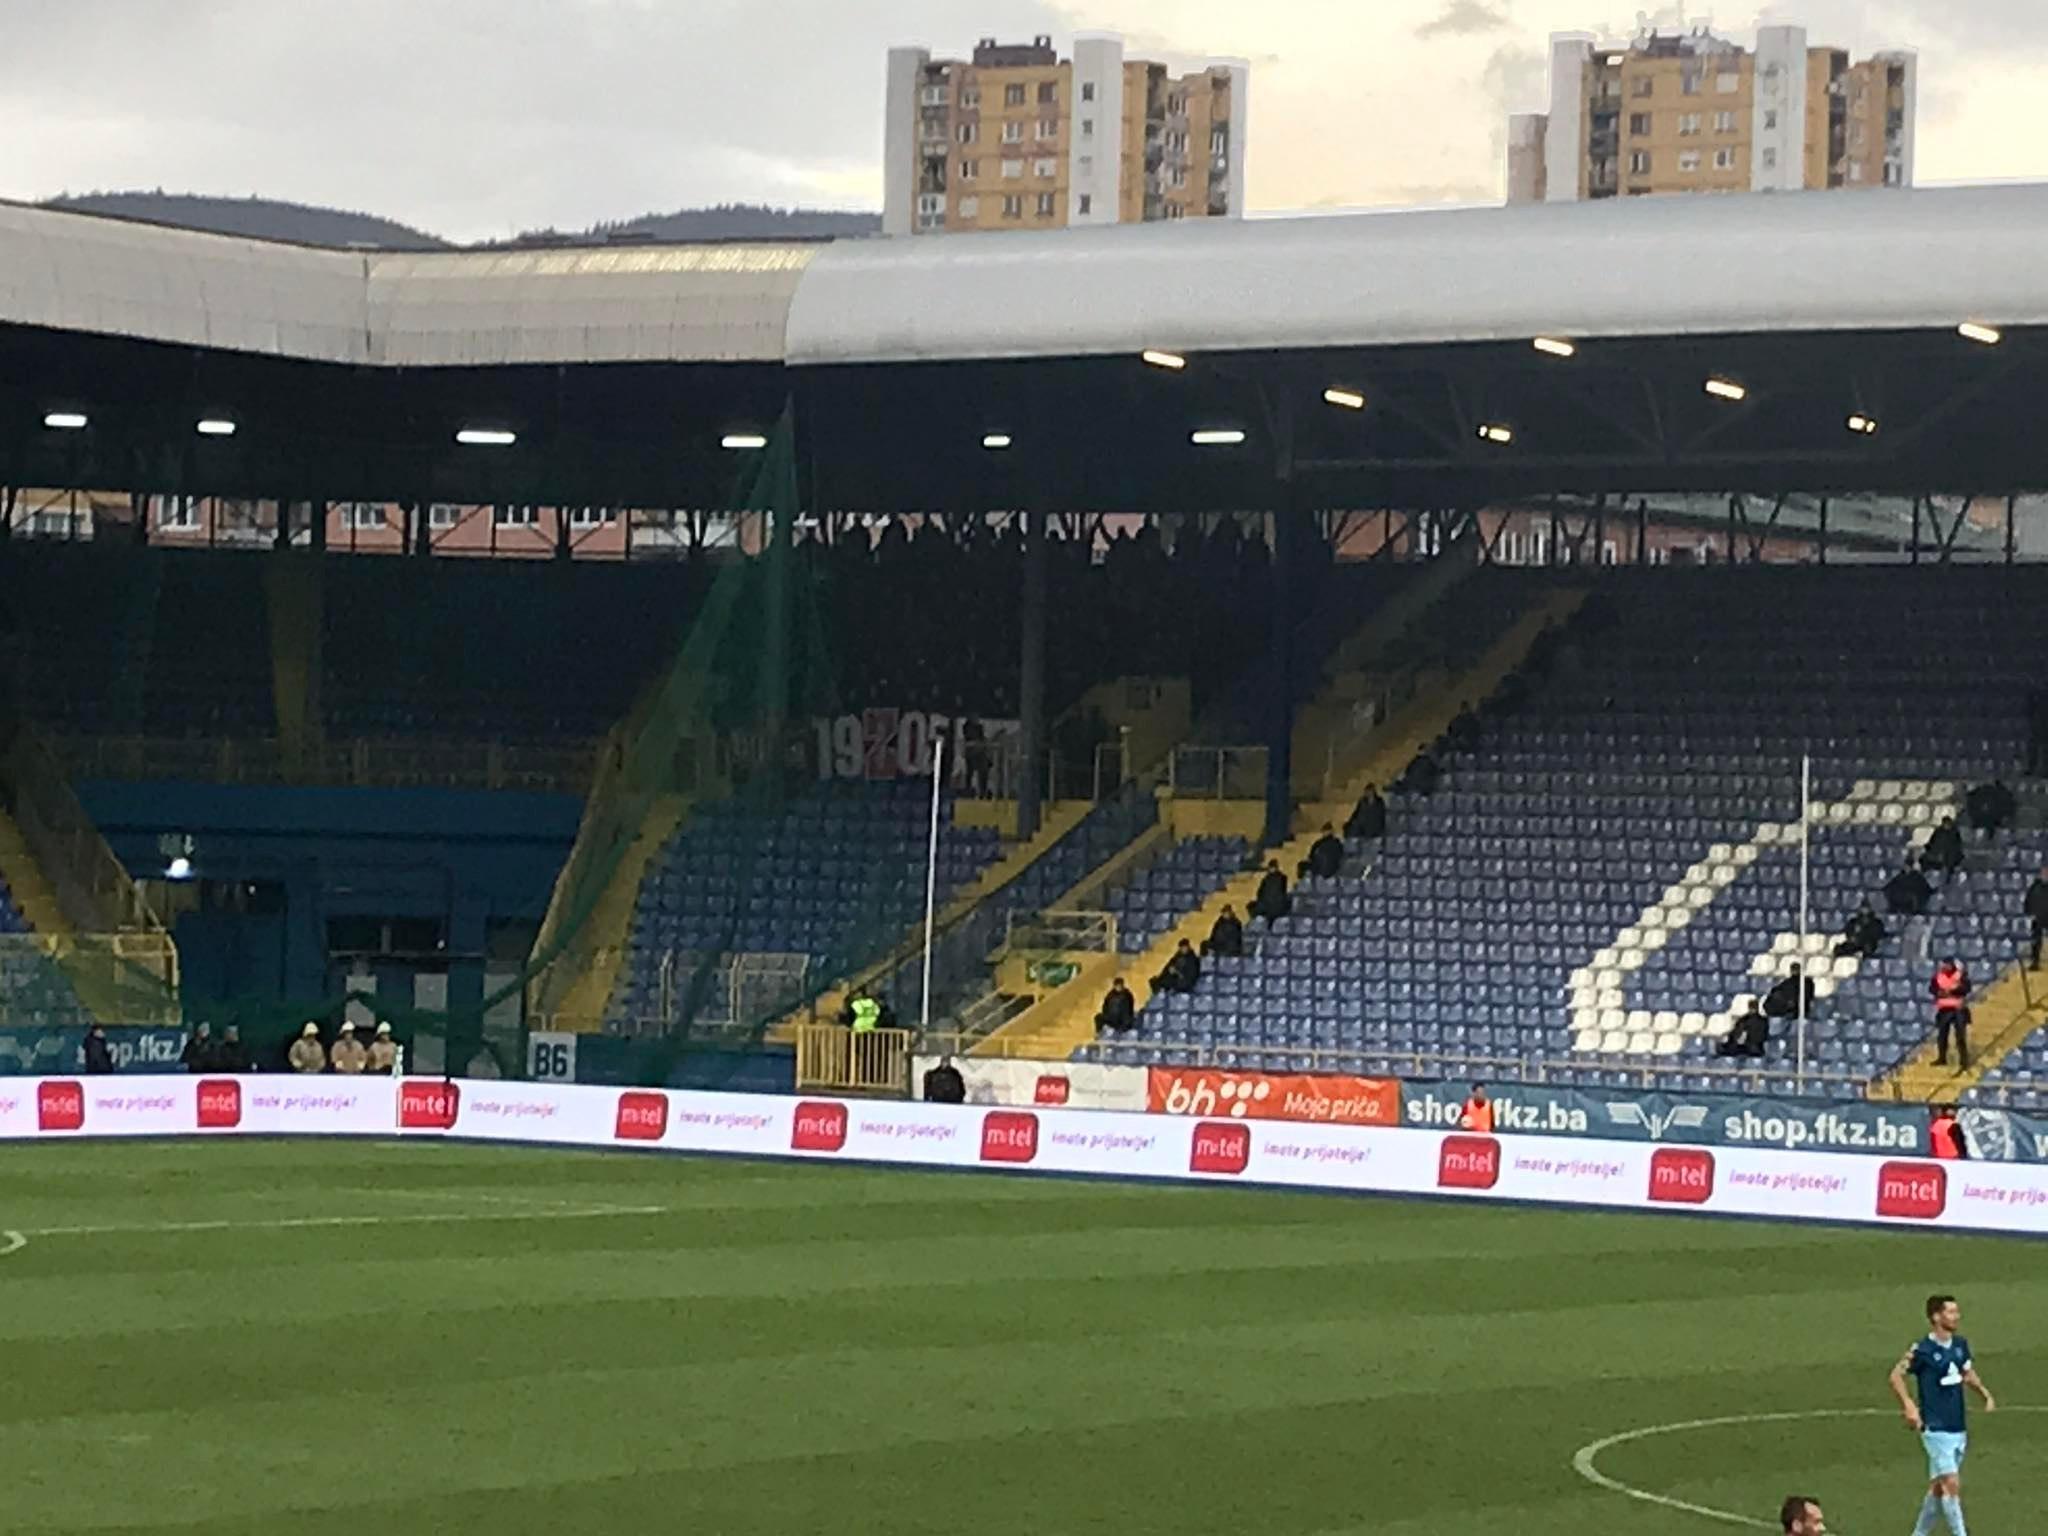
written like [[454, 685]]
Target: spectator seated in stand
[[1747, 1035], [1272, 901], [1907, 893], [1325, 856], [1944, 851], [1792, 997], [1369, 816], [1182, 972], [1463, 732], [2036, 908], [1862, 936], [1422, 775], [1226, 937], [1119, 1012]]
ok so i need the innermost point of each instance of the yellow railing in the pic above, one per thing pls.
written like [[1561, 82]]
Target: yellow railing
[[831, 1057]]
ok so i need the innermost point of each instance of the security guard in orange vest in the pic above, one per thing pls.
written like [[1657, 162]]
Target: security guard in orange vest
[[1951, 989], [1945, 1134], [1478, 1113]]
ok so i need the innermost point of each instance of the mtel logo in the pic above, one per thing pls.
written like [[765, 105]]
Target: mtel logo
[[642, 1117], [1468, 1162], [820, 1126], [1220, 1146], [426, 1104], [1918, 1191], [1681, 1176], [1052, 1089], [220, 1104], [1008, 1136], [60, 1106]]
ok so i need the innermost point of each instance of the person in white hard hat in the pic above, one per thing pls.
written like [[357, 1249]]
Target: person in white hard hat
[[383, 1051], [307, 1053], [349, 1056]]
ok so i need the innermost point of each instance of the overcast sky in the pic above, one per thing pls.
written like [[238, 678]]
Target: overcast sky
[[476, 118]]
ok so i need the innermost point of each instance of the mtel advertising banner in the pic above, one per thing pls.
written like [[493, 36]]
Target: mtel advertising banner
[[1907, 1190], [1204, 1091], [1056, 1084], [1700, 1119]]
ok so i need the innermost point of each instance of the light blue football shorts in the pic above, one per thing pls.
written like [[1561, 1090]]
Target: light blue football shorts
[[1944, 1452]]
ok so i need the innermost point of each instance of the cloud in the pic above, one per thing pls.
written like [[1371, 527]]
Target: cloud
[[1464, 18]]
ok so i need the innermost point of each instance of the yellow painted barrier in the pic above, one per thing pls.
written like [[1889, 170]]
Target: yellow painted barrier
[[833, 1058]]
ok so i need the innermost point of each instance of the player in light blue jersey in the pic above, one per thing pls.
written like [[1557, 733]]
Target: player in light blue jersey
[[1941, 1366]]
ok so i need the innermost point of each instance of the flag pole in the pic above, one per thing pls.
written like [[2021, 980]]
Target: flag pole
[[931, 882], [1805, 899]]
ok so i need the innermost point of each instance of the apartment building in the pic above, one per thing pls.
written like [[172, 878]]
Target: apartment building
[[1689, 111], [1016, 137]]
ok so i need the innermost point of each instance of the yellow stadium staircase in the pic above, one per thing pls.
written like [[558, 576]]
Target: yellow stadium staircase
[[598, 946], [2001, 1017], [31, 889], [1059, 1024]]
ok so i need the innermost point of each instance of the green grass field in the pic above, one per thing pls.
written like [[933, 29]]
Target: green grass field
[[475, 1340]]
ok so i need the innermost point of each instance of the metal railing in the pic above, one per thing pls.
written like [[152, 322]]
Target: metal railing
[[93, 887], [364, 761], [833, 1058], [119, 978], [1217, 773]]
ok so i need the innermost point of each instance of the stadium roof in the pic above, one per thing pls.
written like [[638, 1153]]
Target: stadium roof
[[1632, 267]]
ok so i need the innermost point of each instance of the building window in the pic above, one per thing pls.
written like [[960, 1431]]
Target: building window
[[1013, 170], [969, 133], [1728, 82], [929, 203], [1770, 120], [1047, 206], [1084, 205], [1013, 95], [1689, 82], [970, 96], [1176, 104], [970, 170], [1087, 90], [1639, 125], [591, 517], [1048, 93], [1176, 211], [363, 514], [1219, 143], [1013, 207], [1646, 85], [970, 207], [1770, 157], [1724, 122], [1179, 177], [1045, 169], [515, 517], [1013, 133], [1048, 127], [933, 95], [443, 514], [1639, 162], [1688, 161], [1688, 124], [1087, 165], [1724, 159], [177, 512], [1087, 127]]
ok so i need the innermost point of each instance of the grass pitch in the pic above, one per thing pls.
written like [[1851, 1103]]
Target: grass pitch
[[293, 1338]]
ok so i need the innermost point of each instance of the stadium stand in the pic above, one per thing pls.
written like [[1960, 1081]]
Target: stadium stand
[[1613, 865]]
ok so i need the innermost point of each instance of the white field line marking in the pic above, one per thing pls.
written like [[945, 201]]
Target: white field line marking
[[1584, 1458], [286, 1223], [533, 1204], [12, 1242]]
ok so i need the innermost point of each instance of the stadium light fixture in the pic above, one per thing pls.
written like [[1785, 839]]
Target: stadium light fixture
[[1494, 432], [1554, 346], [486, 437], [1168, 360], [179, 868], [65, 421], [995, 442], [742, 442], [1345, 399], [216, 426], [1726, 389], [1866, 425], [1216, 437], [1988, 335]]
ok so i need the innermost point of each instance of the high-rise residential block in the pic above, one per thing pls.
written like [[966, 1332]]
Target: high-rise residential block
[[1017, 137], [1689, 111]]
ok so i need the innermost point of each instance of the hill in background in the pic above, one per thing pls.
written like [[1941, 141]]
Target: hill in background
[[267, 219]]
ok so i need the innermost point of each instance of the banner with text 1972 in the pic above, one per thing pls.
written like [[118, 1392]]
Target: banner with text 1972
[[1329, 1100]]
